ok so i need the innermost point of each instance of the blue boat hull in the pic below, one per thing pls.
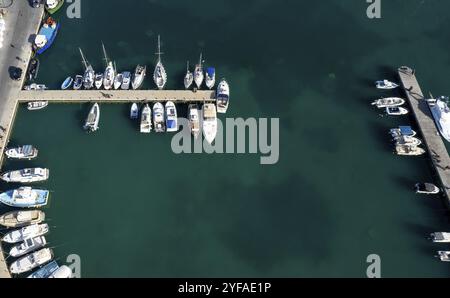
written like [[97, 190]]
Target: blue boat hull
[[41, 200], [50, 41]]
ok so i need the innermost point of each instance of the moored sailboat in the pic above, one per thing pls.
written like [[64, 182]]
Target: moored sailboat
[[198, 73], [110, 72], [159, 75], [188, 78]]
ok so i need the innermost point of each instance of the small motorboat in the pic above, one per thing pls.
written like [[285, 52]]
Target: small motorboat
[[23, 152], [29, 175], [402, 131], [33, 69], [126, 80], [37, 105], [118, 80], [444, 256], [409, 150], [440, 237], [62, 272], [171, 117], [45, 271], [24, 233], [93, 119], [388, 102], [134, 111], [98, 81], [35, 87], [67, 83], [138, 77], [188, 78], [158, 117], [385, 84], [29, 245], [146, 119], [194, 120], [407, 140], [427, 188], [396, 111], [223, 96], [78, 82], [210, 79], [31, 261], [18, 219], [25, 197]]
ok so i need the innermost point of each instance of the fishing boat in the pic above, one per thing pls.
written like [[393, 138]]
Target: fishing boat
[[441, 114], [146, 119], [89, 73], [31, 261], [52, 6], [209, 122], [93, 119], [388, 102], [409, 150], [159, 75], [62, 272], [427, 189], [194, 120], [78, 82], [25, 197], [407, 140], [198, 73], [444, 256], [210, 79], [385, 84], [98, 81], [23, 152], [223, 96], [67, 83], [118, 80], [110, 72], [402, 131], [24, 233], [33, 69], [46, 36], [37, 105], [134, 111], [29, 245], [171, 117], [26, 175], [45, 271], [158, 117], [35, 87], [440, 237], [188, 78], [138, 77], [18, 219], [396, 111], [126, 81]]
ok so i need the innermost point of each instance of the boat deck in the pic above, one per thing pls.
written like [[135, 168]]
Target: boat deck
[[432, 139]]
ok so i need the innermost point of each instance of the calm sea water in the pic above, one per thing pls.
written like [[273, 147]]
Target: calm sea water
[[129, 207]]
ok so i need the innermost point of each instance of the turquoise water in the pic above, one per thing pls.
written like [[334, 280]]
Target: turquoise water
[[131, 208]]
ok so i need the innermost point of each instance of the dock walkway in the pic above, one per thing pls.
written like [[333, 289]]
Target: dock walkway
[[434, 142]]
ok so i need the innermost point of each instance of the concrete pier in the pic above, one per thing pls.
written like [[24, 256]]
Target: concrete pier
[[431, 137]]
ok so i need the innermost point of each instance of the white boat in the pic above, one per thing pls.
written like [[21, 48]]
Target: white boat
[[159, 75], [93, 119], [194, 120], [18, 219], [402, 131], [89, 74], [210, 79], [440, 237], [45, 271], [209, 122], [407, 140], [171, 117], [22, 152], [409, 150], [67, 83], [158, 117], [385, 84], [29, 245], [396, 111], [427, 188], [25, 197], [35, 87], [26, 175], [126, 80], [62, 272], [441, 115], [118, 80], [98, 81], [134, 111], [146, 119], [444, 256], [198, 73], [110, 73], [37, 105], [138, 77], [223, 96], [388, 102], [31, 261], [78, 82], [24, 233], [188, 78]]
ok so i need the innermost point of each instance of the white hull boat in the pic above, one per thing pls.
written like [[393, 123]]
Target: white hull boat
[[194, 120], [19, 219], [159, 75], [25, 197], [407, 140], [188, 78], [223, 96], [138, 77], [45, 271], [408, 150], [210, 79], [198, 73], [93, 119], [24, 233], [427, 189], [171, 117], [146, 119], [23, 152], [134, 111], [67, 83], [37, 105], [98, 81], [158, 117], [440, 237], [385, 85], [396, 111], [209, 122], [109, 76], [62, 272], [388, 102], [444, 256], [118, 80], [126, 80], [441, 115], [28, 246], [31, 261], [26, 175]]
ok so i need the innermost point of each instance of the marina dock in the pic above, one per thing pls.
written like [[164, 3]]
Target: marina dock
[[431, 137]]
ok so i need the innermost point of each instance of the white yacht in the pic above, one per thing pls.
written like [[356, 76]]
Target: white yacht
[[198, 73], [409, 150], [25, 197], [98, 81], [134, 111], [138, 77], [188, 78], [26, 175], [441, 115], [171, 117], [194, 120], [29, 245], [407, 140], [209, 122], [444, 256], [89, 74], [23, 152], [440, 237], [25, 233], [31, 261], [126, 80], [118, 80], [160, 75], [210, 79], [158, 117], [93, 119], [110, 72], [62, 272], [37, 105], [146, 119], [388, 102], [223, 96], [386, 85], [396, 111]]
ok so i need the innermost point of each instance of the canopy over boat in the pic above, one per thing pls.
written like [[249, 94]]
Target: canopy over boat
[[406, 130], [211, 71]]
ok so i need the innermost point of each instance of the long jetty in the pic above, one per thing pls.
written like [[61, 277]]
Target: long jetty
[[433, 141]]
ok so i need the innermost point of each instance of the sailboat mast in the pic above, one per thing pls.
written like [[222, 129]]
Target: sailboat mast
[[104, 53], [201, 60], [83, 59], [159, 49]]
